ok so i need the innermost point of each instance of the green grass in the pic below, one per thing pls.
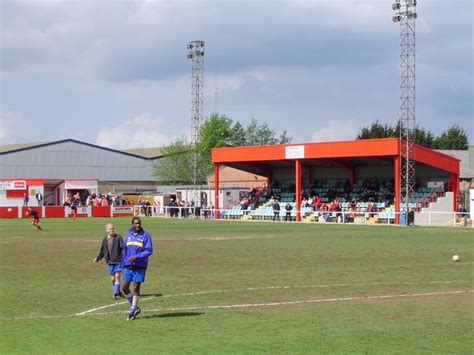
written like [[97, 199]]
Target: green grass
[[52, 273]]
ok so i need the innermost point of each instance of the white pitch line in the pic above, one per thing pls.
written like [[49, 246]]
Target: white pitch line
[[266, 304], [259, 289], [108, 306], [338, 299]]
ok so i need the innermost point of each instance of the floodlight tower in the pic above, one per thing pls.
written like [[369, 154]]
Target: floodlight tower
[[196, 55], [405, 14]]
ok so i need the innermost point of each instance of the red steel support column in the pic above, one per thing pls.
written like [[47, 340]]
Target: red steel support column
[[455, 187], [396, 178], [216, 190], [298, 189]]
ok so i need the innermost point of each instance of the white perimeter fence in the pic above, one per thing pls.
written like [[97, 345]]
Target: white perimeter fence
[[431, 218]]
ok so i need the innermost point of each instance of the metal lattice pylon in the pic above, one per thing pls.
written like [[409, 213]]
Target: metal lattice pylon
[[196, 55], [406, 15]]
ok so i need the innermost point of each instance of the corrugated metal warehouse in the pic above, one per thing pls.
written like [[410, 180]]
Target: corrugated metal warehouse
[[74, 165]]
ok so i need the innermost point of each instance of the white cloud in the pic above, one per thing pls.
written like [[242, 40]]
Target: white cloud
[[141, 131], [8, 123], [337, 131], [151, 13]]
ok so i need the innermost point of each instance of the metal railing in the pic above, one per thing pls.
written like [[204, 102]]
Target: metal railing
[[430, 218]]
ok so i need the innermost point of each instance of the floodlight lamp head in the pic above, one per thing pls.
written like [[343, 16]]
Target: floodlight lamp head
[[396, 18], [189, 56], [412, 15], [396, 6]]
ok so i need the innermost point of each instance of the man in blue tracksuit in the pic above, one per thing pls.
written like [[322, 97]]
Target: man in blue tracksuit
[[138, 246]]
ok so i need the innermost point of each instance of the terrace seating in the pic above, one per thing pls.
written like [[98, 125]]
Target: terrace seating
[[376, 190]]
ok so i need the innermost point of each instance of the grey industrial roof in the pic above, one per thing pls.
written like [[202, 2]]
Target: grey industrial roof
[[148, 153]]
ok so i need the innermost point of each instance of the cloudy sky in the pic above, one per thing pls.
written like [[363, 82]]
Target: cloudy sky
[[115, 73]]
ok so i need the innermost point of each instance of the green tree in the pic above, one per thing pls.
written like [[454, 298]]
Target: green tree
[[376, 130], [424, 137], [256, 134], [284, 138], [454, 138], [216, 132], [176, 165], [237, 135]]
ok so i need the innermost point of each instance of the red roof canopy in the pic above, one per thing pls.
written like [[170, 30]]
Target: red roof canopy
[[252, 158]]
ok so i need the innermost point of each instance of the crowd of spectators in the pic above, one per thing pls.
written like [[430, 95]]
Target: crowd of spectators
[[84, 198], [185, 209]]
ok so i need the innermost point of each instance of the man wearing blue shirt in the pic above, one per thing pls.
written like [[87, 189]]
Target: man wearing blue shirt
[[138, 246]]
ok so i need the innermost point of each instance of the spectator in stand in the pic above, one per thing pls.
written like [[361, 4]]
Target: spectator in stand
[[325, 213], [147, 207], [244, 204], [276, 210], [461, 211], [288, 209], [173, 209], [353, 204], [204, 209], [39, 198], [212, 211], [157, 207], [104, 201], [318, 202], [344, 215], [26, 199], [186, 208]]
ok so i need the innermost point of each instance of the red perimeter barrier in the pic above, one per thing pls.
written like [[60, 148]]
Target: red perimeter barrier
[[54, 211], [8, 212], [101, 211], [59, 211]]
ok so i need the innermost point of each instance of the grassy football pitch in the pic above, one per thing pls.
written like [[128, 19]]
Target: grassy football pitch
[[240, 287]]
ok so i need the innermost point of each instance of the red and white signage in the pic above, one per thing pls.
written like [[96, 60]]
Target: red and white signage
[[13, 185]]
